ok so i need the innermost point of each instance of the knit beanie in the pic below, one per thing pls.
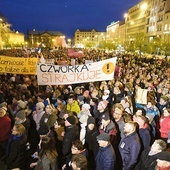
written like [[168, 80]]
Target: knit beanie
[[103, 103], [107, 91], [21, 104], [40, 105], [164, 97], [71, 120], [91, 120], [21, 114], [86, 106]]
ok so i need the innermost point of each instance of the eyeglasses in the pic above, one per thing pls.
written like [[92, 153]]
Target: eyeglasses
[[74, 148]]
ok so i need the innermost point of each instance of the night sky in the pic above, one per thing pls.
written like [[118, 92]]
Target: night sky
[[64, 15]]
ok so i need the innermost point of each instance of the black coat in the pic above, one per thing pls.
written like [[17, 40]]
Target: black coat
[[16, 157], [147, 162], [71, 134]]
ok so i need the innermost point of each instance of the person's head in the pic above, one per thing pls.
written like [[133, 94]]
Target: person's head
[[86, 93], [3, 111], [163, 99], [166, 112], [105, 119], [48, 147], [77, 147], [140, 112], [18, 130], [39, 106], [158, 146], [71, 99], [49, 109], [130, 127], [141, 121], [79, 162], [90, 123], [117, 111], [71, 120], [102, 105], [21, 105], [20, 117], [59, 123], [103, 139], [41, 98], [85, 107]]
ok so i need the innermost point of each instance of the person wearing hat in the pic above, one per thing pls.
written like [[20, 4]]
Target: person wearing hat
[[42, 98], [70, 135], [108, 126], [38, 113], [91, 141], [106, 95], [163, 103], [21, 118], [85, 109], [105, 158], [101, 109]]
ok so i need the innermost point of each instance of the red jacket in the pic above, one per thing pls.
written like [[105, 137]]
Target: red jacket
[[5, 128], [164, 126]]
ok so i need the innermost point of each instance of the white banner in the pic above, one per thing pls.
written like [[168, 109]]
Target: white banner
[[141, 96], [58, 74]]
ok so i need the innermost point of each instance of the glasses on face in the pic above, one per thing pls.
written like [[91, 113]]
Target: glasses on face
[[74, 148]]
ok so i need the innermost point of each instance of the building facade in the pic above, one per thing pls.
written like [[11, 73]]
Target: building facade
[[84, 37], [49, 39]]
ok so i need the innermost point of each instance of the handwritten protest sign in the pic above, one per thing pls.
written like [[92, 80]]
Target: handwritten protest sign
[[54, 74], [17, 65]]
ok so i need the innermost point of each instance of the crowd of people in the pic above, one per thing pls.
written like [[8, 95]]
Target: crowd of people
[[88, 126]]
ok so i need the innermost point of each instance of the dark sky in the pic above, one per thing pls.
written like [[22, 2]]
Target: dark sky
[[64, 15]]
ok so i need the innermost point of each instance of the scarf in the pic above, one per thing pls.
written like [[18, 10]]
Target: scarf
[[13, 138]]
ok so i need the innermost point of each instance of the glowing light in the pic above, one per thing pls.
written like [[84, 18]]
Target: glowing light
[[144, 6]]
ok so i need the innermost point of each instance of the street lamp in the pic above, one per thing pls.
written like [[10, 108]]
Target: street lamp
[[69, 42], [144, 6]]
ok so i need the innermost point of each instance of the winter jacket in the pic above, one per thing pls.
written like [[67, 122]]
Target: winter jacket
[[5, 128], [129, 148], [15, 152], [71, 134], [164, 126], [145, 137], [46, 164], [147, 162], [74, 107], [111, 130], [106, 159]]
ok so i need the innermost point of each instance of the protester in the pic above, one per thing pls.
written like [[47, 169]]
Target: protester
[[106, 158], [130, 146]]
